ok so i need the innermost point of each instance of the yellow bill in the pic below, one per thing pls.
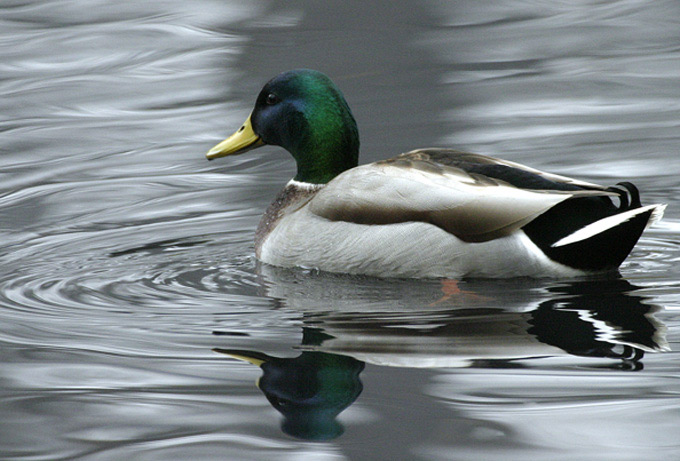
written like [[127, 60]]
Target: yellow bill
[[242, 141]]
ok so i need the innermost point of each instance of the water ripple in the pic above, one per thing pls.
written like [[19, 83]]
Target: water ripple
[[125, 257]]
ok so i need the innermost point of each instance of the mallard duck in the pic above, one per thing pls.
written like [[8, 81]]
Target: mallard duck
[[425, 213]]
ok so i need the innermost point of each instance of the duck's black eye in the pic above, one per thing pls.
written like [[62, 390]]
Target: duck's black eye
[[272, 99]]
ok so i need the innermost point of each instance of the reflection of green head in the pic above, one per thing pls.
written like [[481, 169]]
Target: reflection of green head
[[309, 390], [318, 426]]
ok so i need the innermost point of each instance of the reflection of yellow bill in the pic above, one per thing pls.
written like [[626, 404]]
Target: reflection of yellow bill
[[247, 356]]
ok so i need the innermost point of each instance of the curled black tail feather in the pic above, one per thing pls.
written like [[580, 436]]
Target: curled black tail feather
[[633, 192], [629, 195]]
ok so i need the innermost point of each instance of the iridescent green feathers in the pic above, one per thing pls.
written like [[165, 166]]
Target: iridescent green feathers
[[306, 114]]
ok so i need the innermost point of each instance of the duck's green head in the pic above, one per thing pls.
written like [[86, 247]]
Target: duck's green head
[[306, 114]]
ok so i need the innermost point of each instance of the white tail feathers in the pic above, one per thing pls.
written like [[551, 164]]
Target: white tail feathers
[[610, 222], [657, 214]]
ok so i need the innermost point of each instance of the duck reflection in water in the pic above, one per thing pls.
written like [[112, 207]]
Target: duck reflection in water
[[309, 390], [593, 319]]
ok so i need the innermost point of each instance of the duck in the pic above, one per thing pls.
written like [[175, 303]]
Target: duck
[[427, 213]]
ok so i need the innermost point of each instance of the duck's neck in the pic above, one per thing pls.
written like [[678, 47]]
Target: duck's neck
[[329, 145]]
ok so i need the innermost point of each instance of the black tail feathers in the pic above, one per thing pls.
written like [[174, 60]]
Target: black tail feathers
[[629, 195], [584, 233]]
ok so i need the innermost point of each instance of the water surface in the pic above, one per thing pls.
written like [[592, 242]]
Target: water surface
[[135, 321]]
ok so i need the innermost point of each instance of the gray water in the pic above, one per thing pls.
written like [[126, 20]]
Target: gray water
[[133, 314]]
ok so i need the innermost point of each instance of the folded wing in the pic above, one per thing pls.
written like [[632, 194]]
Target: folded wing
[[441, 188]]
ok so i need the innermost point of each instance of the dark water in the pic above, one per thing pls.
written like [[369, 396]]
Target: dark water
[[127, 277]]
